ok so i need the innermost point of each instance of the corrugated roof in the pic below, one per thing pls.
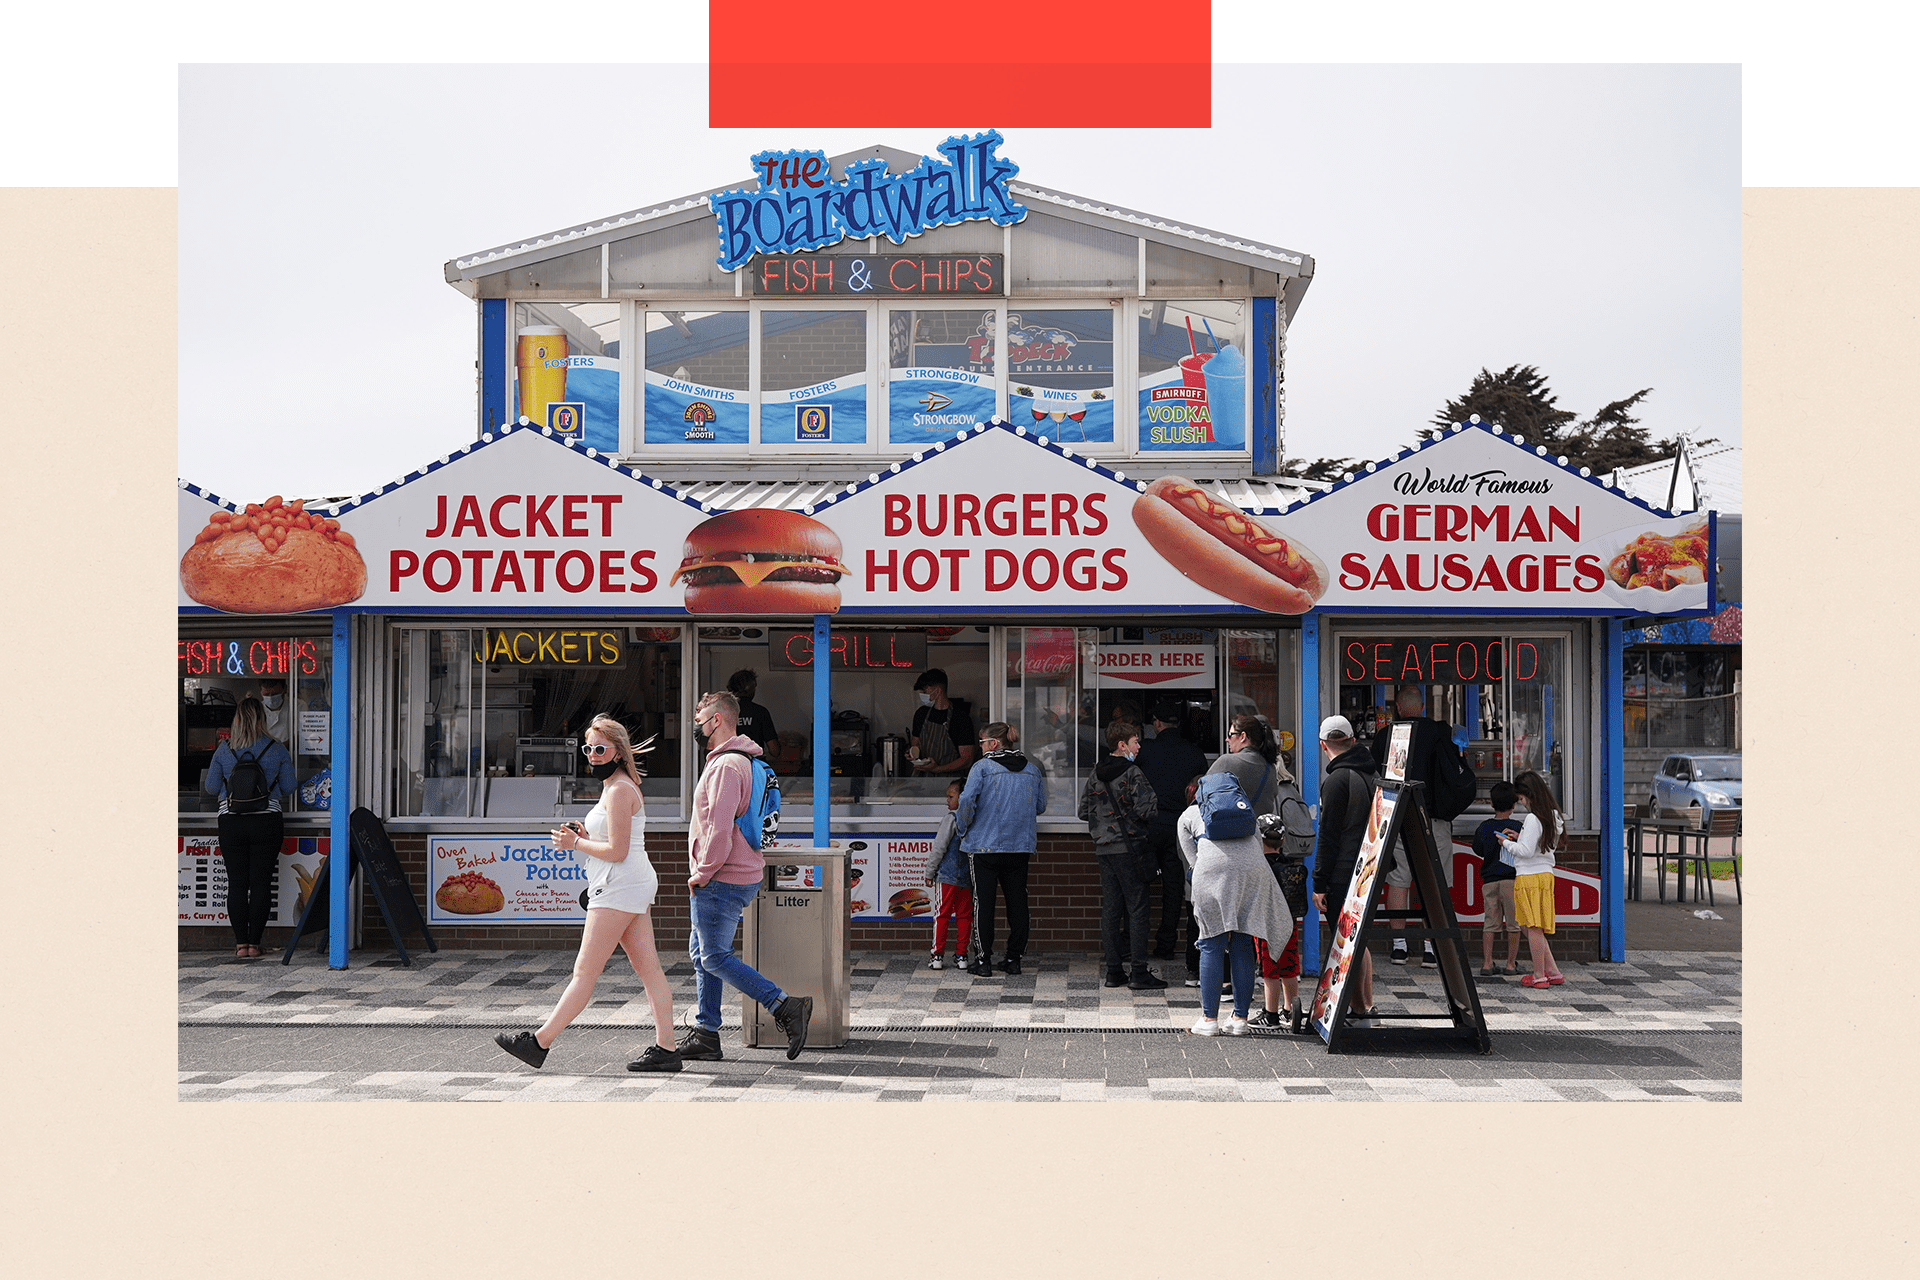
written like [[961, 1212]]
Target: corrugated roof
[[1257, 496], [1699, 479]]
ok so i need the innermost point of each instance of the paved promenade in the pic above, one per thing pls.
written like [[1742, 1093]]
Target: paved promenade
[[1664, 1026]]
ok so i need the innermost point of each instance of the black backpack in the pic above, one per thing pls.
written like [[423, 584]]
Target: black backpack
[[1452, 783], [247, 786]]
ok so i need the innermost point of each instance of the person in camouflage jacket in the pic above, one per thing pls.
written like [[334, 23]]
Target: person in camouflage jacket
[[1117, 806]]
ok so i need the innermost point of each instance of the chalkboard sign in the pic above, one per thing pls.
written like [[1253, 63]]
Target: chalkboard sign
[[389, 883], [370, 850]]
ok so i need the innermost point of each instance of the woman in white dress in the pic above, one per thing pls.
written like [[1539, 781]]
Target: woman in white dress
[[621, 886]]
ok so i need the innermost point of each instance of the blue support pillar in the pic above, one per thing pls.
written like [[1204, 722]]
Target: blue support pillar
[[339, 846], [1266, 356], [1613, 793], [494, 410], [1310, 769], [822, 729]]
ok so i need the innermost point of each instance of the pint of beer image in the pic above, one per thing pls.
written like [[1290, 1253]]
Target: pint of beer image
[[540, 361]]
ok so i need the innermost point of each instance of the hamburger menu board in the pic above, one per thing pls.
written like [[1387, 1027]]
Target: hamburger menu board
[[889, 875], [995, 519]]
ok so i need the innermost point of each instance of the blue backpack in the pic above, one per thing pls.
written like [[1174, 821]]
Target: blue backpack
[[760, 824], [1225, 811]]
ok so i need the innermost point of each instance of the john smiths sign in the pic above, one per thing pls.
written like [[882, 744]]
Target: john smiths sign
[[799, 207]]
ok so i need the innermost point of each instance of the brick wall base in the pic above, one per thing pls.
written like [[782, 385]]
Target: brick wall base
[[1063, 886]]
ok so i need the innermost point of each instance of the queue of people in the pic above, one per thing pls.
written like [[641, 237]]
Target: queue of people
[[1243, 892]]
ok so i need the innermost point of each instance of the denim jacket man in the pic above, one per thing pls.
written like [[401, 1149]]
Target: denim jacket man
[[997, 822]]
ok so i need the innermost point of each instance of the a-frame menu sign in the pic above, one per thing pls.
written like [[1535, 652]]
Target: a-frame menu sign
[[1399, 808]]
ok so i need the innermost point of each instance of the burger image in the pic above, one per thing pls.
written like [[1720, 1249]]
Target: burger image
[[761, 561], [908, 902]]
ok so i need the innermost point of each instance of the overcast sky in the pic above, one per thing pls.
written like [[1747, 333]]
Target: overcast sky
[[1581, 219]]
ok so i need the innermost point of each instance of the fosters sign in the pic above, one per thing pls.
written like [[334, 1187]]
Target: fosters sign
[[993, 521]]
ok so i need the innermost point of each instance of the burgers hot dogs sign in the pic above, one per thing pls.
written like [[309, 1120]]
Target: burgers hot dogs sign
[[994, 520]]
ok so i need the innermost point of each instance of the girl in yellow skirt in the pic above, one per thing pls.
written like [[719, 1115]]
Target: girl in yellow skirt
[[1531, 853]]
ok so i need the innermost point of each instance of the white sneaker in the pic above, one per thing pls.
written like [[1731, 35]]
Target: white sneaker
[[1206, 1027], [935, 963], [960, 961], [1233, 1026]]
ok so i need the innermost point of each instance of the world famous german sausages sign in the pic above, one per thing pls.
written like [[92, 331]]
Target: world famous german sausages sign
[[1476, 521], [993, 520]]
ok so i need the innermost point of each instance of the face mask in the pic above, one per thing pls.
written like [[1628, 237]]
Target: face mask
[[926, 699], [273, 701], [604, 770]]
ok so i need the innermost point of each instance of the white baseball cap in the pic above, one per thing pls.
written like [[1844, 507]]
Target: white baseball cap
[[1336, 726]]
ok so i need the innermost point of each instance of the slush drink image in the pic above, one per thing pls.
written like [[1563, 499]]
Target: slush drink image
[[1226, 376]]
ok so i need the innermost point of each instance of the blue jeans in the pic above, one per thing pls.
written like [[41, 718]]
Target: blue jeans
[[717, 908], [1213, 960]]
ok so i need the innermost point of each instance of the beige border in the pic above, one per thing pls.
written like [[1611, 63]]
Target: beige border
[[111, 1175]]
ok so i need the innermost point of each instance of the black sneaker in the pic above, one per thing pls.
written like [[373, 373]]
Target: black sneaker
[[1267, 1019], [1116, 978], [1399, 953], [792, 1016], [1145, 979], [656, 1059], [1429, 958], [1011, 966], [523, 1046], [700, 1045], [982, 967]]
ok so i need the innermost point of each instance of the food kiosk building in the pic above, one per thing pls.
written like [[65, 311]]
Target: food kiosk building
[[1114, 540]]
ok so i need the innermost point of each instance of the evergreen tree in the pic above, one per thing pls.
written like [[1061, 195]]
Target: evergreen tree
[[1515, 399]]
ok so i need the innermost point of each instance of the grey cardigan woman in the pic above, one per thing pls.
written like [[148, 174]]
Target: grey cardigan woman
[[1253, 758], [1235, 900]]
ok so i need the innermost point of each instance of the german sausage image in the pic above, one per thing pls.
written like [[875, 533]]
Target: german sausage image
[[1226, 550]]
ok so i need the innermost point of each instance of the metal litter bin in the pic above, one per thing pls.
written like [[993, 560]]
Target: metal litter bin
[[796, 931]]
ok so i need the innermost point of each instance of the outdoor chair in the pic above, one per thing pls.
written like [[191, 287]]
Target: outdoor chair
[[1693, 850]]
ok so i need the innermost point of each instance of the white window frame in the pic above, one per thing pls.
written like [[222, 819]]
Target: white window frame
[[876, 398], [634, 448]]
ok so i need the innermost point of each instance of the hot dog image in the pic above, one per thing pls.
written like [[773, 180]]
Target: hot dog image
[[761, 561], [1226, 550], [908, 902], [273, 557], [1662, 561]]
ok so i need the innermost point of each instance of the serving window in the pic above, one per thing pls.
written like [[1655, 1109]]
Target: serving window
[[874, 704], [291, 673], [487, 720]]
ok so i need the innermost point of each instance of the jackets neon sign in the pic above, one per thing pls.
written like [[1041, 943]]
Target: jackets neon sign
[[799, 207]]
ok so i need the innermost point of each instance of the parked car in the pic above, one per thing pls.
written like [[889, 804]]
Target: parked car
[[1694, 786]]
